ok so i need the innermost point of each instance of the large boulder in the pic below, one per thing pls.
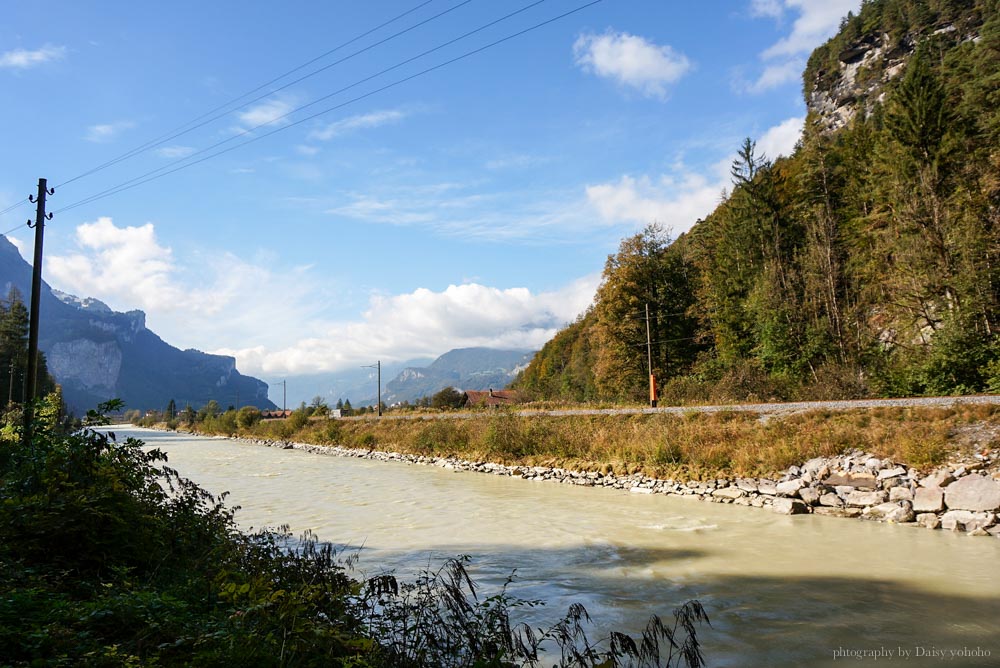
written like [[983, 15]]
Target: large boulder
[[786, 506], [964, 519], [891, 512], [973, 492], [790, 487], [928, 500], [860, 499], [861, 480]]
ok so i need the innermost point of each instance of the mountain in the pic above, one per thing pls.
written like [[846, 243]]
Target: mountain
[[97, 354], [353, 384], [464, 368], [865, 264]]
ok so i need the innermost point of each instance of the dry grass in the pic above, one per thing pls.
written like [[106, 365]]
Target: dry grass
[[690, 446]]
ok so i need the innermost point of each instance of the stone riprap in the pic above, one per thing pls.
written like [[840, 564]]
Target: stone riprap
[[962, 497]]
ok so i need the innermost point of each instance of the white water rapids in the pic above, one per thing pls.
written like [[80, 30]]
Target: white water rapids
[[779, 590]]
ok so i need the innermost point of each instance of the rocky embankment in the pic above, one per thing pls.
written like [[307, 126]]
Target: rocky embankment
[[957, 497]]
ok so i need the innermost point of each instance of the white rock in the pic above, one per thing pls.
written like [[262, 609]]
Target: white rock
[[785, 506], [967, 520], [790, 487], [928, 500], [861, 499], [973, 492]]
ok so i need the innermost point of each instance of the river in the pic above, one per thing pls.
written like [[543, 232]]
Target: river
[[780, 590]]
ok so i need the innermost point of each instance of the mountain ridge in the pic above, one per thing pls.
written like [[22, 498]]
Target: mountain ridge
[[97, 354]]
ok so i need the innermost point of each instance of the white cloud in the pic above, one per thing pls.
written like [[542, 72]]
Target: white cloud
[[771, 8], [24, 249], [124, 265], [221, 298], [269, 112], [105, 132], [778, 74], [460, 211], [675, 203], [174, 152], [631, 61], [22, 59], [218, 297], [425, 323], [344, 126], [782, 138], [815, 22], [679, 199]]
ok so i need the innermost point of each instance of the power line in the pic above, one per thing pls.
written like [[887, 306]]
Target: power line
[[687, 338], [194, 123], [165, 171], [13, 229], [14, 206]]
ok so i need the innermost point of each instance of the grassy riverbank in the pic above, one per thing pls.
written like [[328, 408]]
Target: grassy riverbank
[[693, 445]]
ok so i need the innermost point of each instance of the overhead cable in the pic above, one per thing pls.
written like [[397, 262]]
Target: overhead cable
[[169, 169]]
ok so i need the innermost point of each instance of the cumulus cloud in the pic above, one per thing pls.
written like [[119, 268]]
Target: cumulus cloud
[[126, 265], [358, 122], [679, 199], [105, 132], [269, 112], [221, 298], [425, 323], [219, 295], [631, 61], [676, 201], [782, 138], [815, 22], [22, 59]]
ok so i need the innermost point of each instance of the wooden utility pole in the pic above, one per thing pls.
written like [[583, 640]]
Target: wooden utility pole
[[31, 381], [378, 399], [649, 363], [10, 383]]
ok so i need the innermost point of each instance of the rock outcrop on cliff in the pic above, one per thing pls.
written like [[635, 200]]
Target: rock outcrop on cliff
[[97, 354]]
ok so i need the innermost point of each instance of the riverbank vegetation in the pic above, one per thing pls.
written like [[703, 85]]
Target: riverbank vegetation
[[110, 558], [694, 445]]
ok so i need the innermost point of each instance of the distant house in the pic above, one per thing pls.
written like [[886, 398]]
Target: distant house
[[275, 414], [490, 398]]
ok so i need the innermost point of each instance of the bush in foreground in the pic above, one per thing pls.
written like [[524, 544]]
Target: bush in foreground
[[108, 558]]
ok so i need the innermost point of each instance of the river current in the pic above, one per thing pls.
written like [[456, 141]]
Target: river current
[[779, 590]]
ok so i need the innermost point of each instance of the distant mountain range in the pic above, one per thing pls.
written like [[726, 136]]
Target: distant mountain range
[[98, 354], [464, 368]]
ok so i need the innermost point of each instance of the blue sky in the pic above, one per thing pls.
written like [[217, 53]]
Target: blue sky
[[472, 205]]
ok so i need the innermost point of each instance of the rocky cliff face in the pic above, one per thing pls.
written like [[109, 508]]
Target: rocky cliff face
[[82, 362], [855, 79], [97, 354]]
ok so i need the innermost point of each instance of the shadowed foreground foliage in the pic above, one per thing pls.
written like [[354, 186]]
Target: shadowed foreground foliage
[[109, 558]]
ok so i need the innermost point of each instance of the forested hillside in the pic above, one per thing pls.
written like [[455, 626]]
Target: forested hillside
[[865, 264]]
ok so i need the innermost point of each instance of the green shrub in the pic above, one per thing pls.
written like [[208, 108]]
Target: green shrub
[[441, 437]]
